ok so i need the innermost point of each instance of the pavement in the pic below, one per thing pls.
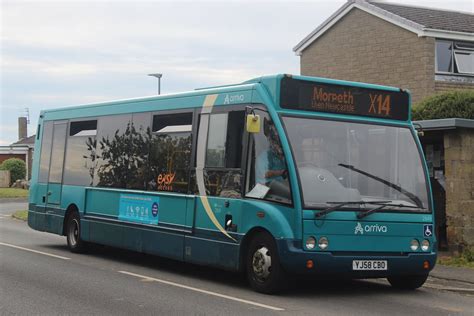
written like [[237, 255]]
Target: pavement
[[457, 274], [38, 275], [456, 279], [8, 206]]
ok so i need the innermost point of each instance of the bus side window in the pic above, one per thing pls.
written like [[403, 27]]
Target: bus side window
[[80, 153], [115, 163], [223, 173], [118, 155], [46, 143], [267, 176], [140, 133], [170, 152]]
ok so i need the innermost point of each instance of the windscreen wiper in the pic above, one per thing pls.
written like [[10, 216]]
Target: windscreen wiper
[[363, 214], [341, 204], [412, 196]]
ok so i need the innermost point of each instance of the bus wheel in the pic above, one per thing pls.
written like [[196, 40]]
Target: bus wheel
[[73, 233], [263, 268], [407, 282]]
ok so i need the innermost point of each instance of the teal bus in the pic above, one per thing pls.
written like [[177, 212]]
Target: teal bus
[[277, 176]]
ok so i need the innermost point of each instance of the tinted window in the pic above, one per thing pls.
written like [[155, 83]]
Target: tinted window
[[57, 153], [222, 174], [45, 151], [140, 134], [83, 128], [170, 152], [172, 122], [116, 153], [216, 139], [81, 153]]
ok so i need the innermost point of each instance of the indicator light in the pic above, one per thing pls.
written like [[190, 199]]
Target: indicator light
[[426, 265]]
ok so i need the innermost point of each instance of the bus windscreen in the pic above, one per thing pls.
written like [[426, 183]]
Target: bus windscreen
[[342, 99]]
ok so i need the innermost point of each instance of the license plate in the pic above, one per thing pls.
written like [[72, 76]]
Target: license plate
[[375, 265]]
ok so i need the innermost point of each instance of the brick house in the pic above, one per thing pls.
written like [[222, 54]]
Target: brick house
[[426, 51], [423, 50]]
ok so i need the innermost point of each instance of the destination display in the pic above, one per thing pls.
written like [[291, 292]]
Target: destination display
[[322, 97]]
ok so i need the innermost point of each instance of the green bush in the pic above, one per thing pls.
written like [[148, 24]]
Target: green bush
[[17, 168], [458, 104], [469, 254]]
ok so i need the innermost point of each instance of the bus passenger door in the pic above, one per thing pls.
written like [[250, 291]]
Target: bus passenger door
[[42, 186], [53, 213], [219, 180]]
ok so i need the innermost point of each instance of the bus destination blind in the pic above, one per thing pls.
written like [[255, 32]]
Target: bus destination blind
[[339, 99]]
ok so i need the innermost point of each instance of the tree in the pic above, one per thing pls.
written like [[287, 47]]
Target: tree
[[452, 104], [17, 168]]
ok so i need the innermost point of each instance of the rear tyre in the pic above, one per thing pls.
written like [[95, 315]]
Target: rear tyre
[[263, 268], [407, 282], [73, 233]]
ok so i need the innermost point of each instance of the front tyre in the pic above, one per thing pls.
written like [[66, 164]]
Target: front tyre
[[73, 233], [263, 268], [407, 282]]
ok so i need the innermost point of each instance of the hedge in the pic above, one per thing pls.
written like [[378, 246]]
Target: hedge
[[458, 104], [17, 168]]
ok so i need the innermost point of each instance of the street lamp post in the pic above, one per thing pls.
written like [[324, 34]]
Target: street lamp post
[[159, 80]]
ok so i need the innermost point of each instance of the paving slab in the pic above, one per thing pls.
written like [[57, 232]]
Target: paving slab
[[459, 274]]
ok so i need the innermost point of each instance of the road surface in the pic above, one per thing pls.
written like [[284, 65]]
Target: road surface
[[38, 275]]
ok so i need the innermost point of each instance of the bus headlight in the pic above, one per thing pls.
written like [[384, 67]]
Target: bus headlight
[[425, 245], [323, 243], [414, 245], [310, 243]]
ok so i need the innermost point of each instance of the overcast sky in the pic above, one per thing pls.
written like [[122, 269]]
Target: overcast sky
[[60, 53]]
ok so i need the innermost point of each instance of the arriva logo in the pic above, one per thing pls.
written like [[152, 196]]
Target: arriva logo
[[233, 98], [359, 229]]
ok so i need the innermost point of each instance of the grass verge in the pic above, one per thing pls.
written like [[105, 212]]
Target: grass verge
[[22, 215], [465, 259], [13, 193]]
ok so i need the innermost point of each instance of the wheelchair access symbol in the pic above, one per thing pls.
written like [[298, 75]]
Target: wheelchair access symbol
[[427, 230]]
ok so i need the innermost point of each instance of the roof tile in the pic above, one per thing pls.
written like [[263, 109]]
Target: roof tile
[[431, 18]]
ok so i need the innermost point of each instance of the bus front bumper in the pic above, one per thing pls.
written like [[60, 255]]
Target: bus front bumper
[[324, 263]]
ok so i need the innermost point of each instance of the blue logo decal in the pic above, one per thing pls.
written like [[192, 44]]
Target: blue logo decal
[[154, 209], [139, 208], [428, 230]]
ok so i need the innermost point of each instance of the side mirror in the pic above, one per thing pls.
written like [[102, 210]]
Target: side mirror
[[253, 123], [419, 129]]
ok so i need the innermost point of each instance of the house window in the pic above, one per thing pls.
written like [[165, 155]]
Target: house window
[[454, 57]]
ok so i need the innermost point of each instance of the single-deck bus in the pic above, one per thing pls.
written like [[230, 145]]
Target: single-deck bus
[[276, 176]]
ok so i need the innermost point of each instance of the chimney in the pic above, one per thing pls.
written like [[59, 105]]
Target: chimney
[[22, 128]]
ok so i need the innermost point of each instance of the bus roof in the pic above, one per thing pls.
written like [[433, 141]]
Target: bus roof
[[227, 94]]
